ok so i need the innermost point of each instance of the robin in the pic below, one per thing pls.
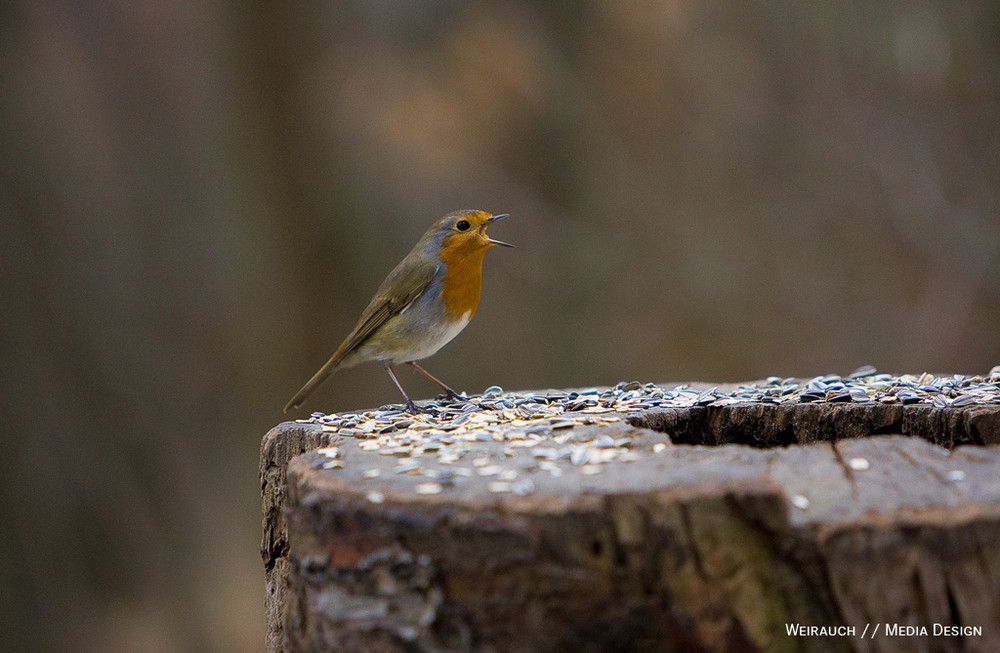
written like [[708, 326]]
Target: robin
[[424, 302]]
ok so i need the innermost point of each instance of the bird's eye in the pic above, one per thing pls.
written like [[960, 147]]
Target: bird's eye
[[462, 225]]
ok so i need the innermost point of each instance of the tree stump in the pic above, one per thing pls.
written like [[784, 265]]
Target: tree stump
[[559, 520]]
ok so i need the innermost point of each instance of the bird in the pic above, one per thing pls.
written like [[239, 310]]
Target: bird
[[427, 299]]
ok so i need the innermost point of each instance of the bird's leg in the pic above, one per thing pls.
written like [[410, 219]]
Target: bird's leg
[[410, 406], [448, 391]]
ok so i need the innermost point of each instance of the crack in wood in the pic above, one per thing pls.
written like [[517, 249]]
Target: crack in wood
[[846, 468]]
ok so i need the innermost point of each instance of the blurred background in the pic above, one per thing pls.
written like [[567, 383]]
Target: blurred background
[[198, 198]]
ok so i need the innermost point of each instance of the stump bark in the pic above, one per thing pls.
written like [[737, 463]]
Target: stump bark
[[673, 547]]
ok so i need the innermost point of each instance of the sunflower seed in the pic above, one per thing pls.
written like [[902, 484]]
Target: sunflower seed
[[862, 372], [859, 464], [963, 400]]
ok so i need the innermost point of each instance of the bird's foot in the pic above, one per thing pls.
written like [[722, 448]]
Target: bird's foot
[[455, 396], [414, 409]]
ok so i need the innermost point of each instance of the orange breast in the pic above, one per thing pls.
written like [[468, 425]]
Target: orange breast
[[463, 277]]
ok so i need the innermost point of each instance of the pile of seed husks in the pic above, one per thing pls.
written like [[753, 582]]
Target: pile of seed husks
[[447, 432]]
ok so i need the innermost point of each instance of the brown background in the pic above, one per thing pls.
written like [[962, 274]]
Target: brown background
[[198, 198]]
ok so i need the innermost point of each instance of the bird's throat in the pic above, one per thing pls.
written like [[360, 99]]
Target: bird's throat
[[463, 280]]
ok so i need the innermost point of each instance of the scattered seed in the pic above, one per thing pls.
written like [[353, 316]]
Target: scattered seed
[[550, 467], [863, 371], [522, 487], [859, 395], [706, 397], [963, 400], [859, 464], [579, 456], [431, 444], [406, 465]]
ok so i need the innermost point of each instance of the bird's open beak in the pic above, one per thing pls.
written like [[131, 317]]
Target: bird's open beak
[[491, 221]]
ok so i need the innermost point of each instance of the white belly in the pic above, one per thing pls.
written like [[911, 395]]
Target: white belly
[[411, 344], [436, 339]]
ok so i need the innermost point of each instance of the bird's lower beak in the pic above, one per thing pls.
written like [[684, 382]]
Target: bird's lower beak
[[491, 221]]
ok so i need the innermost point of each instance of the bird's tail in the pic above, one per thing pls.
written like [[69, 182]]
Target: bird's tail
[[322, 375]]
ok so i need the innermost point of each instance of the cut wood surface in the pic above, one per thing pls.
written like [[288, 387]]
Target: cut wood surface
[[650, 545]]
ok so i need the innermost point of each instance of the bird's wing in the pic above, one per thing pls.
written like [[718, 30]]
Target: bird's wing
[[383, 306], [408, 283]]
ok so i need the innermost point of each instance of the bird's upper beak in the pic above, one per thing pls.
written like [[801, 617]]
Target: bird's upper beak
[[491, 221]]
